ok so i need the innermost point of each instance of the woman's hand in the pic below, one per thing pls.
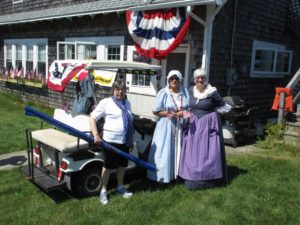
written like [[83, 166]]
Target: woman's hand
[[178, 114], [97, 139]]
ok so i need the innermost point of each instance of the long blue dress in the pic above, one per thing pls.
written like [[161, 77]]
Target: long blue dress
[[166, 143]]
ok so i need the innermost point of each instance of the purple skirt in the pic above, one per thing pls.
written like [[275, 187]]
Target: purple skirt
[[202, 156]]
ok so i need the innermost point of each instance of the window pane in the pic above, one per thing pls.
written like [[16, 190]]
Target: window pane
[[264, 60], [61, 51], [141, 80], [41, 69], [19, 52], [80, 51], [29, 68], [135, 79], [8, 64], [41, 53], [8, 52], [113, 53], [29, 53], [18, 64], [282, 63], [70, 49], [147, 80], [86, 51]]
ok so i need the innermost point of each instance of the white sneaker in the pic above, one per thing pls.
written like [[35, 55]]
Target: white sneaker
[[103, 198], [124, 192]]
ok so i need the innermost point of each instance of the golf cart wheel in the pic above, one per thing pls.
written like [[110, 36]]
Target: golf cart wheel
[[89, 181]]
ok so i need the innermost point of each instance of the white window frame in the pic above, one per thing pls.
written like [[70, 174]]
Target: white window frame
[[102, 45], [46, 59], [276, 48], [24, 42], [83, 43], [65, 50], [107, 46]]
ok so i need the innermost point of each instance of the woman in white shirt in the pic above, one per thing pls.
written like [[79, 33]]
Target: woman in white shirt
[[117, 131]]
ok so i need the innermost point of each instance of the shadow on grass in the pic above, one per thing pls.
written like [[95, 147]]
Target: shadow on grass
[[138, 182], [233, 172]]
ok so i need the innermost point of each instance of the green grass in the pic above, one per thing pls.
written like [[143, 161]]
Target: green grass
[[262, 190], [13, 122]]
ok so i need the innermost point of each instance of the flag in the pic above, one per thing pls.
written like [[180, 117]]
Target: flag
[[12, 72], [61, 72], [29, 74], [20, 73], [157, 33], [34, 76], [3, 73]]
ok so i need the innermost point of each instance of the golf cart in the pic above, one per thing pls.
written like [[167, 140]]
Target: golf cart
[[58, 158]]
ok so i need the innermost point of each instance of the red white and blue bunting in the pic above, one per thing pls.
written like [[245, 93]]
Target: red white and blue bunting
[[156, 33], [61, 72]]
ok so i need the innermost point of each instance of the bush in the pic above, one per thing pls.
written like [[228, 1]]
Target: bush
[[273, 137]]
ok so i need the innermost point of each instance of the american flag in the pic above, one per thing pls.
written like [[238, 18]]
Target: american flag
[[20, 73], [12, 72]]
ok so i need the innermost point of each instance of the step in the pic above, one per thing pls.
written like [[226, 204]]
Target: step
[[46, 181], [293, 127], [292, 139]]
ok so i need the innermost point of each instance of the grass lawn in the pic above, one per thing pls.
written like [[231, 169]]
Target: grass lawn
[[264, 188], [13, 122]]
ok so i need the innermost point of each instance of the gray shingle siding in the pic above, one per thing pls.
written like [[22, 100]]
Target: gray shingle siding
[[255, 20]]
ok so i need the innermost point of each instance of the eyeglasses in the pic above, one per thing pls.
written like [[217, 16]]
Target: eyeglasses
[[200, 78], [174, 78]]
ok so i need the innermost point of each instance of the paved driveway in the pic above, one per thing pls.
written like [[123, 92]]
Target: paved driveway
[[14, 159]]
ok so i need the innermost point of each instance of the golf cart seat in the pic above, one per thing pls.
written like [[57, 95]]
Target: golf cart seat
[[59, 140]]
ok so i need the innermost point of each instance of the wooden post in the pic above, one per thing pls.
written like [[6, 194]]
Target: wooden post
[[281, 116]]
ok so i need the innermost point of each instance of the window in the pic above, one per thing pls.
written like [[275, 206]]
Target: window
[[86, 51], [29, 54], [66, 50], [18, 57], [113, 52], [41, 66], [8, 63], [140, 79], [100, 48], [29, 59], [270, 60]]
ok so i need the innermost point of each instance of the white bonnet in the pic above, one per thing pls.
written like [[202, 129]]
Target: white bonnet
[[174, 72], [199, 72]]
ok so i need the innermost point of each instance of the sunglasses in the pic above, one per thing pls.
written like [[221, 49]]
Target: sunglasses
[[174, 78]]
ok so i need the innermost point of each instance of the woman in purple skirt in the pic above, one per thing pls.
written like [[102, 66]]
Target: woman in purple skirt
[[202, 161]]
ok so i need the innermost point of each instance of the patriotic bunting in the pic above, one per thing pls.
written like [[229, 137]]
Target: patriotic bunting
[[61, 72], [157, 33]]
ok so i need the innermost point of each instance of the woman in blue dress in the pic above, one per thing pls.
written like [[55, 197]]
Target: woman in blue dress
[[202, 162], [170, 106]]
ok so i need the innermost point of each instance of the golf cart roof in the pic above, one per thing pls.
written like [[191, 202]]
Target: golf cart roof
[[96, 64]]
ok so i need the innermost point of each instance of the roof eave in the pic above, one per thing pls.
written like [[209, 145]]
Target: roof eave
[[171, 4]]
